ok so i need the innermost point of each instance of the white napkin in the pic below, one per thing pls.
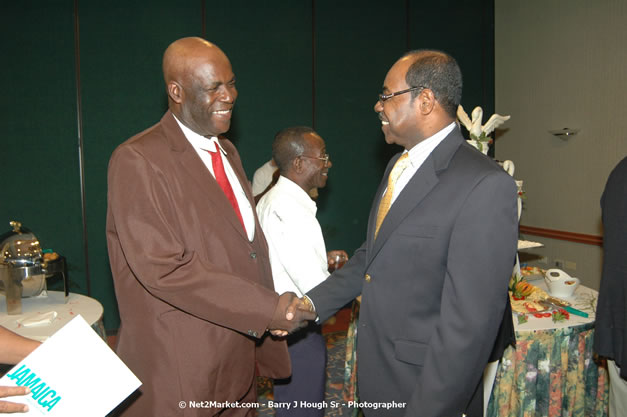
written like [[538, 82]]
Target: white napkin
[[37, 319]]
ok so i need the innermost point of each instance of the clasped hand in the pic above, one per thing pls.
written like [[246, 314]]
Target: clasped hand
[[291, 314]]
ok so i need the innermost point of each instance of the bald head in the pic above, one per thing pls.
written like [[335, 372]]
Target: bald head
[[200, 84], [179, 58]]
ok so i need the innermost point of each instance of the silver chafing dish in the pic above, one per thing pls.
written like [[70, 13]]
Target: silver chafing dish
[[23, 268]]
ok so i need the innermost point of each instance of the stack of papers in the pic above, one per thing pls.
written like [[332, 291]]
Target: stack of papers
[[72, 374]]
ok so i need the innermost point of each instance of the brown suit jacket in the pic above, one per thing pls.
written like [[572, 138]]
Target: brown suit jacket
[[195, 296]]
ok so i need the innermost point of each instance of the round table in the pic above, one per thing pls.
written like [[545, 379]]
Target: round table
[[552, 371], [90, 309], [584, 299]]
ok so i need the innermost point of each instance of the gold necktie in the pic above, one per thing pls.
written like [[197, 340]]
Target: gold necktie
[[386, 201]]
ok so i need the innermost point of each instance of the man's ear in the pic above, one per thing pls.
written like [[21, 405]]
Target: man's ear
[[297, 165], [175, 92], [426, 101]]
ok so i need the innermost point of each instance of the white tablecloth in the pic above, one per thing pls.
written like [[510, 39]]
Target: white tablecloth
[[584, 299], [90, 309]]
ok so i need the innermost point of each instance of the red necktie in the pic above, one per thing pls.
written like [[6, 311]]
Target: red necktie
[[218, 171]]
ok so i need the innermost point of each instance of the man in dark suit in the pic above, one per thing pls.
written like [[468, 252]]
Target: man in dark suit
[[610, 337], [189, 260], [434, 269]]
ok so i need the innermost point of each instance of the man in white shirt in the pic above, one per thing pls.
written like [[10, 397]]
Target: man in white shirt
[[298, 256], [266, 176]]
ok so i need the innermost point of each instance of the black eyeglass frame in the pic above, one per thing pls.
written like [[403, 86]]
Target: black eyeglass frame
[[385, 97]]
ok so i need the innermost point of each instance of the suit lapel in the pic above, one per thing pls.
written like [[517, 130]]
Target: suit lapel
[[414, 192], [243, 180], [372, 219], [190, 162], [241, 176], [423, 181]]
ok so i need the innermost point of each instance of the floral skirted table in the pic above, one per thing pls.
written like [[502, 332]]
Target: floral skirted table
[[350, 368], [552, 371]]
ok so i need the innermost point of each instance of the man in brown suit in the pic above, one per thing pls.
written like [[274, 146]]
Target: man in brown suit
[[189, 260]]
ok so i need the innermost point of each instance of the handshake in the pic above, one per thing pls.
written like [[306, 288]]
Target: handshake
[[291, 314]]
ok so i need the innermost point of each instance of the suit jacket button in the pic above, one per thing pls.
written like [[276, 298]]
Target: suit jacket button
[[253, 255], [367, 277]]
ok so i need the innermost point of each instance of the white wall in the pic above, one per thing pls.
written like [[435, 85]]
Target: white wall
[[562, 63]]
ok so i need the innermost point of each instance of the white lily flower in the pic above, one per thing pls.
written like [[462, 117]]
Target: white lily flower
[[477, 131]]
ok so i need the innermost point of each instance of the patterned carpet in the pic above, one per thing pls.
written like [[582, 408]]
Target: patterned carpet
[[336, 356]]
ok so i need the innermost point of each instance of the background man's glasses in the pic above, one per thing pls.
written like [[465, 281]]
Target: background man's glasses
[[324, 158]]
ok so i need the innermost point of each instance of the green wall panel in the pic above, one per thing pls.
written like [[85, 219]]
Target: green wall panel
[[317, 62], [465, 29], [269, 44], [357, 42], [123, 93], [38, 137]]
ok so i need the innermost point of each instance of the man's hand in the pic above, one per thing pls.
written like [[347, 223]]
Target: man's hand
[[336, 259], [7, 407], [291, 314]]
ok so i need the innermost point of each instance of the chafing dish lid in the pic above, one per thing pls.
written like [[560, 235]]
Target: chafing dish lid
[[19, 247]]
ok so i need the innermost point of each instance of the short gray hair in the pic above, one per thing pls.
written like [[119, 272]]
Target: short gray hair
[[288, 145]]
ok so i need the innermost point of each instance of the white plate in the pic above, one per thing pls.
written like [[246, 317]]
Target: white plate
[[527, 244]]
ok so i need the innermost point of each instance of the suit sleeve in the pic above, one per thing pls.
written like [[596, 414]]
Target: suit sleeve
[[151, 244], [480, 258], [346, 284], [341, 287], [610, 338]]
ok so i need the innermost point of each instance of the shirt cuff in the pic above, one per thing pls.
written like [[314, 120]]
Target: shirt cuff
[[311, 306]]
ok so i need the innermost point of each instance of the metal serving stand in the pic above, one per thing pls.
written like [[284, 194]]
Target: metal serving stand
[[23, 269]]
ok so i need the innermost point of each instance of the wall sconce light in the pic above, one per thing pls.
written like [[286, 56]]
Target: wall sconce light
[[565, 133]]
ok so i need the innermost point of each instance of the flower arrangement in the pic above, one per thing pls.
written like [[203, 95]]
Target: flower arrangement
[[478, 132]]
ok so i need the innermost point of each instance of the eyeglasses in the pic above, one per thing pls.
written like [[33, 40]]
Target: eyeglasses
[[324, 158], [384, 97]]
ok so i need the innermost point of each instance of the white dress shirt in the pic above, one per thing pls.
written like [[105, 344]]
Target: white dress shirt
[[202, 145], [297, 252], [417, 156]]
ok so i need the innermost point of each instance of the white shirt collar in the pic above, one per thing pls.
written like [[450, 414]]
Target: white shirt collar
[[421, 150], [201, 145], [288, 186], [199, 141]]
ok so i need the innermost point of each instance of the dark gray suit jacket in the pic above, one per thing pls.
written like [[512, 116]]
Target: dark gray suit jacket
[[610, 338], [433, 283]]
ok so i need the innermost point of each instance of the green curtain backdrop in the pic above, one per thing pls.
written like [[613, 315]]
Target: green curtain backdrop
[[316, 62]]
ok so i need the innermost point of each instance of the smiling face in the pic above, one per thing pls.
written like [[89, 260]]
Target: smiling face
[[399, 114], [201, 86], [314, 171]]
